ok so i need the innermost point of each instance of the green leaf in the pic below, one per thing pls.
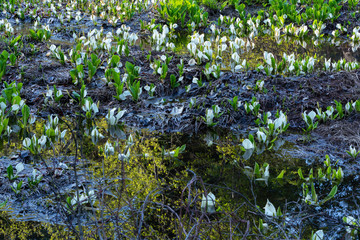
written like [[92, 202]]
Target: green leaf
[[313, 193], [330, 195], [4, 55], [73, 74], [257, 170], [300, 174], [10, 172], [115, 60], [281, 175], [25, 114]]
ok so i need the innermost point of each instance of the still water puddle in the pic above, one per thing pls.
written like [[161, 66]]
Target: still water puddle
[[214, 157]]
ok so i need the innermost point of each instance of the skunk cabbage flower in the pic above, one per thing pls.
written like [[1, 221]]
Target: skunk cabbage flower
[[19, 168], [109, 149], [247, 144], [208, 203], [318, 235], [261, 136], [26, 142], [352, 222], [42, 140], [270, 209]]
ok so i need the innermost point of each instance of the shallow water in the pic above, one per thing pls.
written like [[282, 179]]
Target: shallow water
[[213, 156]]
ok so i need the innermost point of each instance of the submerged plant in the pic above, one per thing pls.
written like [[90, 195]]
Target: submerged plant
[[42, 34]]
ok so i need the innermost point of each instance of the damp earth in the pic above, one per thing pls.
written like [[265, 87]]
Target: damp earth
[[179, 119]]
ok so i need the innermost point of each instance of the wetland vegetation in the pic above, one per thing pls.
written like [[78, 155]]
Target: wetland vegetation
[[196, 119]]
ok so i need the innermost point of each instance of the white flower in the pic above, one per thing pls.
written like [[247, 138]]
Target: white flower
[[95, 135], [15, 107], [35, 175], [327, 64], [62, 135], [235, 56], [109, 149], [49, 93], [19, 168], [247, 144], [86, 106], [270, 209], [209, 117], [261, 136], [318, 235], [280, 122], [130, 140], [176, 111], [351, 221], [192, 62], [15, 185], [352, 151], [330, 111], [311, 114], [8, 130], [347, 107], [192, 48], [123, 157], [2, 105], [268, 57], [42, 140], [208, 203], [217, 109], [53, 48], [26, 142]]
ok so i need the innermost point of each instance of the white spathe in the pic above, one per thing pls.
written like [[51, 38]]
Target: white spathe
[[270, 209], [247, 144], [208, 203], [318, 235]]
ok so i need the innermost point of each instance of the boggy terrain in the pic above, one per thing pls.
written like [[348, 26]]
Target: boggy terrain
[[103, 99]]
